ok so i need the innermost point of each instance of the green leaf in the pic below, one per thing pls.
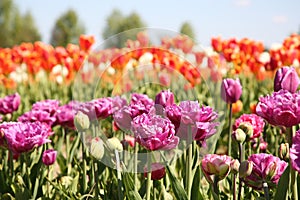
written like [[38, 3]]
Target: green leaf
[[177, 188], [196, 194], [128, 183], [283, 185], [134, 195]]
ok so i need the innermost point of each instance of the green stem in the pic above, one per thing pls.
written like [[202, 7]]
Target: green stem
[[84, 183], [215, 188], [189, 164], [234, 187], [149, 182], [11, 164], [135, 166], [266, 191], [119, 175], [276, 141], [293, 178], [241, 159], [230, 129]]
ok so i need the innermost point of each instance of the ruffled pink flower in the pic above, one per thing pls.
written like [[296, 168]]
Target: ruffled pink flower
[[154, 132], [282, 108], [173, 112], [23, 137], [49, 105], [38, 115], [49, 157], [216, 165], [198, 120], [254, 120], [103, 107], [139, 104], [231, 90], [65, 115], [295, 152], [42, 111], [266, 168], [10, 104]]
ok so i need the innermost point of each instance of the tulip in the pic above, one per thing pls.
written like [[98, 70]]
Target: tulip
[[282, 108], [49, 157], [81, 121], [266, 169], [215, 165], [97, 148], [231, 90], [286, 78], [158, 171], [154, 132]]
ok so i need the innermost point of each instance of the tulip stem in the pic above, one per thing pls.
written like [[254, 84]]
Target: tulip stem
[[119, 175], [229, 129], [215, 189], [189, 161], [135, 166], [149, 182], [266, 191], [293, 178], [241, 159], [84, 163], [11, 163], [234, 187]]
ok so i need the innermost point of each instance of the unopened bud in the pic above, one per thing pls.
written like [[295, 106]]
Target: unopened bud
[[235, 165], [284, 151], [114, 144], [239, 135], [247, 128], [245, 168], [97, 148], [81, 121]]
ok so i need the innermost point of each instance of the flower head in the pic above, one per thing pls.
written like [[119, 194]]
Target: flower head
[[282, 108], [252, 119], [216, 165], [295, 152], [231, 90], [10, 103], [286, 78], [49, 156], [154, 132], [23, 137], [266, 168], [158, 171]]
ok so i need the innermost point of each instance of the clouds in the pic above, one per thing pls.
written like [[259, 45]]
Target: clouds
[[279, 19]]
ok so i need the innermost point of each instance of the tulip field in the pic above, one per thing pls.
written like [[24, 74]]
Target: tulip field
[[163, 117]]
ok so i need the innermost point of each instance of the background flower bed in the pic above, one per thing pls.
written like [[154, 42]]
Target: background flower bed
[[39, 72]]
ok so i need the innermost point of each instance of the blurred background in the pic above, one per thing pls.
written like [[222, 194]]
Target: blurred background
[[59, 22]]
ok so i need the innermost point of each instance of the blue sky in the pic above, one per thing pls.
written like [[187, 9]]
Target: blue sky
[[263, 20]]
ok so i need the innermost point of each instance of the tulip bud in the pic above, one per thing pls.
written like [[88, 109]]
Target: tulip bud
[[284, 151], [235, 165], [245, 168], [49, 157], [247, 128], [239, 135], [97, 148], [114, 144], [81, 121], [158, 171]]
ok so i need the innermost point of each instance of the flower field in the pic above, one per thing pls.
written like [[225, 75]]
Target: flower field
[[161, 118]]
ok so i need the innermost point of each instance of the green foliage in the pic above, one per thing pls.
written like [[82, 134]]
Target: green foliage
[[67, 29], [117, 23], [16, 28], [187, 29]]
